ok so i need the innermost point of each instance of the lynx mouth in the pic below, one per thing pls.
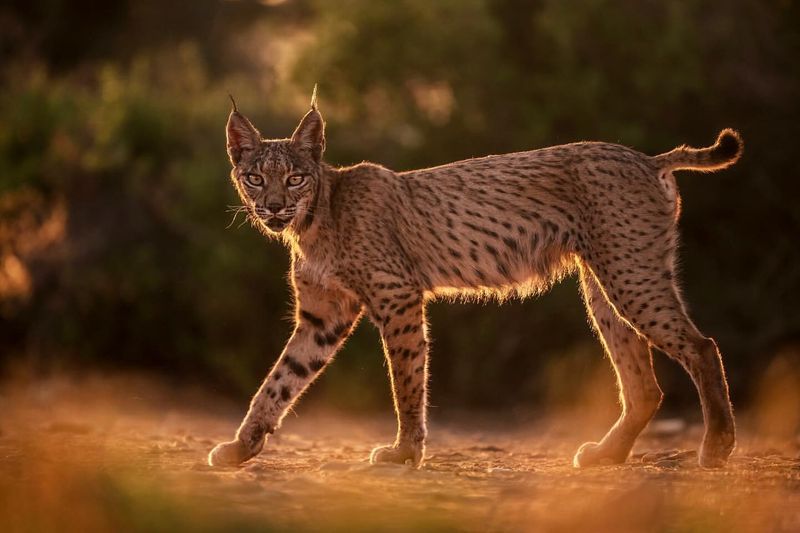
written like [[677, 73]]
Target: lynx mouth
[[276, 224]]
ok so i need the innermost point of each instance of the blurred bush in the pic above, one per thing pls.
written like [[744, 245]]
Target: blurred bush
[[116, 248]]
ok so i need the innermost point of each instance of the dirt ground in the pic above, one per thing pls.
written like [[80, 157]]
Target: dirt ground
[[105, 454]]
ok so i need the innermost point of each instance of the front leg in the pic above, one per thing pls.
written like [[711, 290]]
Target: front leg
[[401, 319], [323, 319]]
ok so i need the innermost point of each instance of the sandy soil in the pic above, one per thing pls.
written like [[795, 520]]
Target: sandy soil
[[123, 455]]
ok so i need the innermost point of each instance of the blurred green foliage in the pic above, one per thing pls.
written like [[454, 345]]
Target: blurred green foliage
[[121, 122]]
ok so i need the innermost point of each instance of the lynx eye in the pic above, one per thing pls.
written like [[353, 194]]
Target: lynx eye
[[254, 180], [296, 180]]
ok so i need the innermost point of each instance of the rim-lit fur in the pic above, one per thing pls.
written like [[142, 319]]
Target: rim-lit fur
[[365, 239]]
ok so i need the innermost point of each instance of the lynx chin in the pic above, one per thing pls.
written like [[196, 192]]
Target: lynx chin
[[365, 240]]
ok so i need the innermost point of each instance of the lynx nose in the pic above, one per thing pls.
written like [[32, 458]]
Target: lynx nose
[[274, 208]]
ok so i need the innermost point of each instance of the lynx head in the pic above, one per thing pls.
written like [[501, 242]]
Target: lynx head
[[277, 180]]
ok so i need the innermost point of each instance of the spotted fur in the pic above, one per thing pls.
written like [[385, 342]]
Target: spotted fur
[[367, 240]]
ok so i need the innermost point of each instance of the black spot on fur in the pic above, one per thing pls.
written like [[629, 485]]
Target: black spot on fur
[[325, 339], [285, 393], [297, 368], [511, 243], [319, 338], [314, 320], [340, 329]]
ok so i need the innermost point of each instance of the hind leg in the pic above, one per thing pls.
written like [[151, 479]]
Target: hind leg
[[632, 360], [645, 295]]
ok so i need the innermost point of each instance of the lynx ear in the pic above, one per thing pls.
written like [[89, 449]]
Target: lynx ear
[[242, 136], [310, 134]]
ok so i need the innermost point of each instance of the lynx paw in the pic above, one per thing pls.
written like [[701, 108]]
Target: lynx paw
[[231, 453], [595, 454], [399, 454], [715, 451]]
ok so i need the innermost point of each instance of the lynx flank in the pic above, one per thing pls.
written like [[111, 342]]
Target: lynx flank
[[367, 240]]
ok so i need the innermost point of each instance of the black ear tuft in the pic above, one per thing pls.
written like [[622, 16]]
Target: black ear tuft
[[310, 134], [242, 136], [314, 97]]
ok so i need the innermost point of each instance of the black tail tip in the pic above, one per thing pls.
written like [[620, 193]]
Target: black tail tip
[[729, 145]]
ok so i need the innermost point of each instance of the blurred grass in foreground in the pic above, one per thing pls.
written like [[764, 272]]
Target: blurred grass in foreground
[[95, 454], [65, 499]]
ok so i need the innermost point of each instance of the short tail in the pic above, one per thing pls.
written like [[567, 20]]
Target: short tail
[[725, 152]]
